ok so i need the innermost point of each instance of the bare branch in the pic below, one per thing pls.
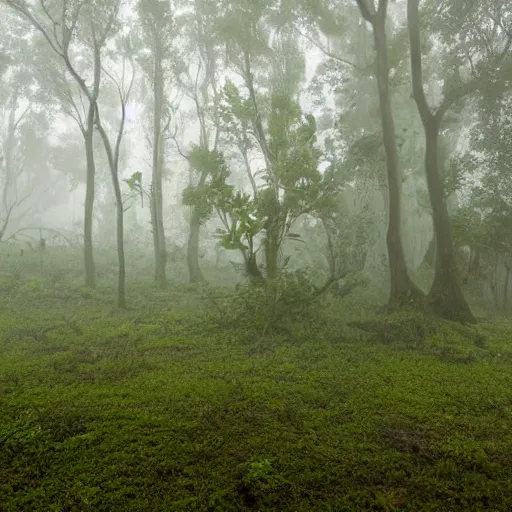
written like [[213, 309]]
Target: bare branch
[[326, 51]]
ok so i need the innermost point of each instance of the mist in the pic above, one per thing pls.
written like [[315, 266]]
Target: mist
[[255, 255]]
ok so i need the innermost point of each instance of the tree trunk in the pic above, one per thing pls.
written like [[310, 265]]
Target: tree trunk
[[445, 296], [403, 292], [88, 134], [251, 266], [90, 269], [159, 244], [113, 161], [493, 285], [194, 270], [506, 283], [429, 259], [121, 278], [272, 247], [156, 180]]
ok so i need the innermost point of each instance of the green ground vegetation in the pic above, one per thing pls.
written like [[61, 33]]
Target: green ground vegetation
[[169, 406]]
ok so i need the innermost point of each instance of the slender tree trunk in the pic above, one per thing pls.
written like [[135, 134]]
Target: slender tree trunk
[[493, 284], [403, 292], [156, 180], [243, 150], [113, 161], [506, 283], [88, 133], [157, 217], [445, 296], [89, 266], [194, 270], [121, 278]]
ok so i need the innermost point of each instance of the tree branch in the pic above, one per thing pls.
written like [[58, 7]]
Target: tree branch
[[326, 51], [367, 8], [416, 64]]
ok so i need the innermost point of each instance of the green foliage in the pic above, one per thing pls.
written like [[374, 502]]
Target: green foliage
[[154, 410], [211, 189], [135, 181], [242, 219], [298, 295]]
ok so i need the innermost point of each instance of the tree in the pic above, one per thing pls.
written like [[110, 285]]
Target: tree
[[484, 222], [197, 74], [402, 289], [26, 155], [264, 108], [335, 28], [157, 32], [123, 86], [11, 167], [445, 295], [67, 26]]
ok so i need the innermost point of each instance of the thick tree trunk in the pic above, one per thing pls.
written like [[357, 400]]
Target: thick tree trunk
[[194, 270], [90, 269], [403, 292], [445, 296], [160, 249]]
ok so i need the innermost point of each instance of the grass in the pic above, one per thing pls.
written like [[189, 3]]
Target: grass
[[159, 408]]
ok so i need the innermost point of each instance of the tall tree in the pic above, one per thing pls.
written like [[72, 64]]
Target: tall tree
[[337, 24], [68, 26], [271, 72], [25, 152], [123, 85], [197, 74], [157, 33], [402, 289], [26, 111], [445, 295]]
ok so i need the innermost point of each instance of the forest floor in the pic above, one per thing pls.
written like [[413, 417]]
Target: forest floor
[[163, 408]]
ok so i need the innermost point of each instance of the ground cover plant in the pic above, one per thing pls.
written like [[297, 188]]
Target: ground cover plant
[[160, 407]]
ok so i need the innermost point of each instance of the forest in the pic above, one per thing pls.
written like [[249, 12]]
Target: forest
[[255, 255]]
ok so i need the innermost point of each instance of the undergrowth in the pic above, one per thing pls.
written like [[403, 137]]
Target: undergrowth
[[166, 407]]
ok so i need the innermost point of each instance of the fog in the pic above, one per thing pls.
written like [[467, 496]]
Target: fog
[[255, 255]]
